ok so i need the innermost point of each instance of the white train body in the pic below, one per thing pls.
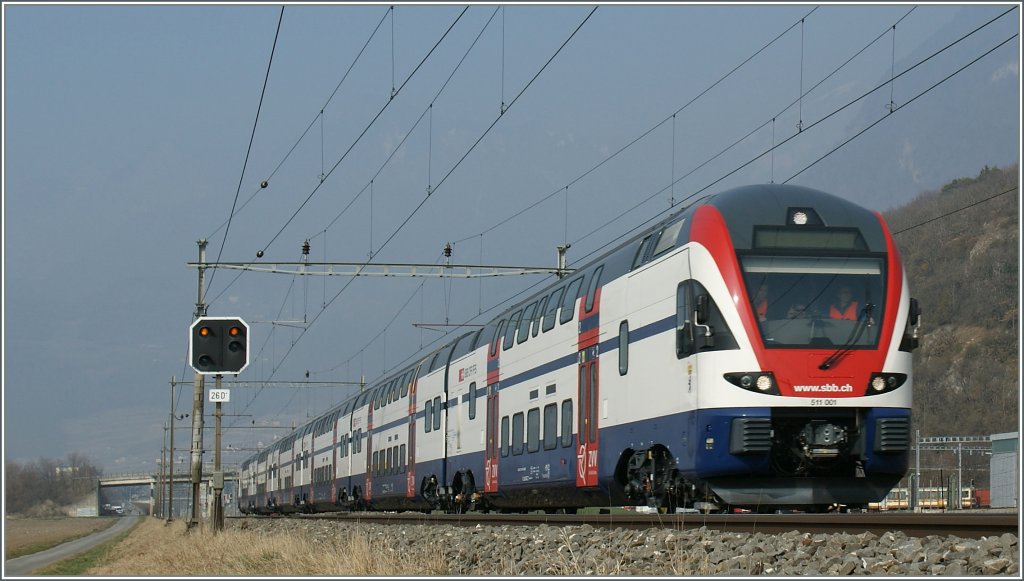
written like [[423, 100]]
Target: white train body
[[656, 374]]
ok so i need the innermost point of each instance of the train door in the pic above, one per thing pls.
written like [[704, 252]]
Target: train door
[[684, 396], [368, 488], [587, 440], [491, 436], [410, 474], [588, 392]]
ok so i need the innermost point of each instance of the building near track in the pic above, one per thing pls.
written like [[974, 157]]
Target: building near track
[[1005, 466]]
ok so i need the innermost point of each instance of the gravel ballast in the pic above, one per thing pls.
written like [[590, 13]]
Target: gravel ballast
[[585, 550]]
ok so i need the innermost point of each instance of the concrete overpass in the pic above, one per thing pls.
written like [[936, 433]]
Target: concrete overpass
[[148, 494]]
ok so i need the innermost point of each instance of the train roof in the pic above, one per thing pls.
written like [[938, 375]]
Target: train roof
[[748, 207]]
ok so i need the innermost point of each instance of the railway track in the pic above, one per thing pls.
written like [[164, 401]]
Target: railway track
[[914, 525]]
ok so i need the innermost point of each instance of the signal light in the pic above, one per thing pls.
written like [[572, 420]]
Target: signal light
[[219, 345]]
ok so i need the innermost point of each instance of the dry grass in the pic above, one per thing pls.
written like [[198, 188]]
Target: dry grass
[[23, 536], [155, 548]]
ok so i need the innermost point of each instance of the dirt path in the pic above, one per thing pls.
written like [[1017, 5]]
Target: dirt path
[[22, 534], [28, 563]]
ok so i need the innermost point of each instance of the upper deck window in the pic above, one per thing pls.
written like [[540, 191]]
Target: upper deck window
[[569, 301]]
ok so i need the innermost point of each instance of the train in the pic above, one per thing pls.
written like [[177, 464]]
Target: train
[[933, 498], [699, 364]]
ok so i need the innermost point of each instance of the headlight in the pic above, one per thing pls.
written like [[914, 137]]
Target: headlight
[[884, 382], [758, 381]]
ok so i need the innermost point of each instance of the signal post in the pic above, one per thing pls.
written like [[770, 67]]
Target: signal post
[[217, 345]]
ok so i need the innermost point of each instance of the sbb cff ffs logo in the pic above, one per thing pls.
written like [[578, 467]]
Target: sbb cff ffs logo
[[219, 345]]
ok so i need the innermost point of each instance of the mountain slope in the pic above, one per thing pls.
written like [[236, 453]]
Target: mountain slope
[[960, 249]]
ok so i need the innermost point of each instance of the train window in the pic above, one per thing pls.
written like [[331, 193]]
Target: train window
[[437, 413], [406, 380], [401, 458], [476, 340], [643, 254], [569, 301], [595, 281], [494, 340], [551, 426], [539, 316], [524, 325], [396, 390], [517, 434], [533, 430], [668, 238], [504, 436], [593, 402], [567, 423], [462, 346], [554, 299], [472, 401], [374, 463], [390, 461], [423, 368], [359, 441], [428, 416], [684, 329], [442, 358], [623, 347], [510, 333]]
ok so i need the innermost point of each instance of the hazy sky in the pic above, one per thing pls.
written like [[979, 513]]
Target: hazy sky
[[126, 129]]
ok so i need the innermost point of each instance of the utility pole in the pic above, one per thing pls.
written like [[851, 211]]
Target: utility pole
[[170, 468], [218, 476], [197, 400], [158, 502], [916, 488]]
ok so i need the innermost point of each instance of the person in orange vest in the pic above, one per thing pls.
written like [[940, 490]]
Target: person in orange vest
[[845, 308], [761, 302]]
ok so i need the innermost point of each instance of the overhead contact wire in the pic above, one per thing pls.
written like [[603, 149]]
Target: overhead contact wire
[[367, 128], [422, 202], [252, 137]]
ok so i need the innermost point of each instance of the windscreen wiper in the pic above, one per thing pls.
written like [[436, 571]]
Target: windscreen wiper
[[864, 321]]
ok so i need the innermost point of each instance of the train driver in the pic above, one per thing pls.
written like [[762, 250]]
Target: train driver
[[845, 308], [761, 302]]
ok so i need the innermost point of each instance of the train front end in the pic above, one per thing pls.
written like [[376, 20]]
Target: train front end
[[812, 405]]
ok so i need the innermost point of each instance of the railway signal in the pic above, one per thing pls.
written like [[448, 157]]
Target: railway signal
[[219, 345]]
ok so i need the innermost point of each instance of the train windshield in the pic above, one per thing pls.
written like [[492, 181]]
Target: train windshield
[[816, 302]]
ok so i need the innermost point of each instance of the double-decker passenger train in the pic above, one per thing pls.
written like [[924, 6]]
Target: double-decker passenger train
[[709, 361]]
